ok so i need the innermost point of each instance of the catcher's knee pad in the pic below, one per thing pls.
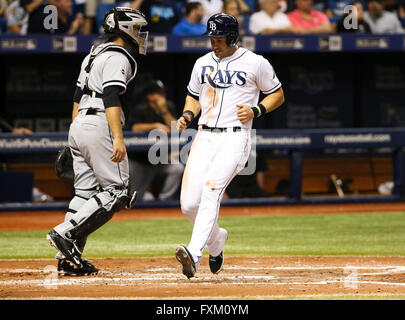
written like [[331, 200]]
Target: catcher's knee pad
[[80, 198]]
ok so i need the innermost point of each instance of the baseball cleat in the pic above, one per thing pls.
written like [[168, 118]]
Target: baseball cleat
[[66, 248], [185, 258], [64, 268], [216, 263]]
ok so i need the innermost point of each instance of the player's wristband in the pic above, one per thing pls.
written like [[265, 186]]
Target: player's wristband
[[189, 113], [259, 110]]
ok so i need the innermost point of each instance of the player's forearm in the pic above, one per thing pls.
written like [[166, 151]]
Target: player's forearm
[[113, 115], [192, 105], [75, 110], [272, 101]]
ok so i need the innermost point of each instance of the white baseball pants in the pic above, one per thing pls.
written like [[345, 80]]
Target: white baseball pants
[[214, 160]]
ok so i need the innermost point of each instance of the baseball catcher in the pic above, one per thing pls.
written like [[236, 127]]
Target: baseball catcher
[[96, 143]]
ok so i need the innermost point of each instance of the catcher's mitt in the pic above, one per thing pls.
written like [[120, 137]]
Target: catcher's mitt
[[64, 165]]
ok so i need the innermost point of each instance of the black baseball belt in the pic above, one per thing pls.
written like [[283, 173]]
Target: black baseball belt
[[92, 111], [217, 129], [92, 93]]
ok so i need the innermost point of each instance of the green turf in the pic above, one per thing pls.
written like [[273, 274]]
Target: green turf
[[334, 234]]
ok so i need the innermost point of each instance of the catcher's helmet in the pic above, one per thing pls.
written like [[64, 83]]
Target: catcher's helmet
[[222, 24], [127, 23]]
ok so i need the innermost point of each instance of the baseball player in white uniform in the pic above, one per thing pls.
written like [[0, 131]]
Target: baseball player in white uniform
[[225, 86], [96, 140]]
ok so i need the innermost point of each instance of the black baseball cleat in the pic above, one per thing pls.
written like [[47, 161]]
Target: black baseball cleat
[[185, 258], [216, 263], [64, 268], [67, 248]]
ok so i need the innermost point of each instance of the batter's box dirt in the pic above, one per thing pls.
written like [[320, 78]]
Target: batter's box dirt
[[242, 278]]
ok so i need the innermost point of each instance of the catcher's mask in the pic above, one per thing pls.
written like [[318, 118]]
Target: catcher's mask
[[127, 23]]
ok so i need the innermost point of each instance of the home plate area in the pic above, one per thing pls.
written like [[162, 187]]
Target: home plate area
[[241, 278]]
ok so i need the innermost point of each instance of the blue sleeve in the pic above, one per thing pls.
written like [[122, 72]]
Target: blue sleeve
[[178, 28]]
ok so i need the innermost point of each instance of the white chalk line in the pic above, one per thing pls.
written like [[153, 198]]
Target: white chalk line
[[127, 282], [131, 278], [168, 269], [402, 268]]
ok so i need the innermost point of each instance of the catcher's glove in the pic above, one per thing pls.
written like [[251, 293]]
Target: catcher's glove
[[64, 165]]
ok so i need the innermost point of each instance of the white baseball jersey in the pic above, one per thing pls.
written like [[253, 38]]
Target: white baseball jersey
[[221, 84], [114, 67]]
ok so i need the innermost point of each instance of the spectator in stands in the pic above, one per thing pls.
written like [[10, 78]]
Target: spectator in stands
[[162, 15], [319, 5], [212, 7], [67, 23], [353, 21], [335, 9], [17, 18], [305, 20], [90, 14], [191, 23], [36, 18], [232, 7], [381, 21], [397, 8], [3, 7], [155, 112], [269, 20]]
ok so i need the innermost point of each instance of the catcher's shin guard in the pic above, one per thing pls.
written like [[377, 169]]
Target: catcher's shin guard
[[96, 220]]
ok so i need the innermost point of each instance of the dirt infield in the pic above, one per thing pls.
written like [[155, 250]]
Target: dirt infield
[[242, 278], [37, 220]]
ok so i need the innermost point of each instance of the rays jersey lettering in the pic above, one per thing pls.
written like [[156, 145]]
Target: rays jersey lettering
[[222, 78], [220, 85]]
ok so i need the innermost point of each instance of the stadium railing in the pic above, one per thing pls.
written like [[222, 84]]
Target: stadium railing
[[294, 142]]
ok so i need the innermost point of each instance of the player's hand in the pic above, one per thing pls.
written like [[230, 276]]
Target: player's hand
[[245, 113], [182, 123], [119, 150]]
